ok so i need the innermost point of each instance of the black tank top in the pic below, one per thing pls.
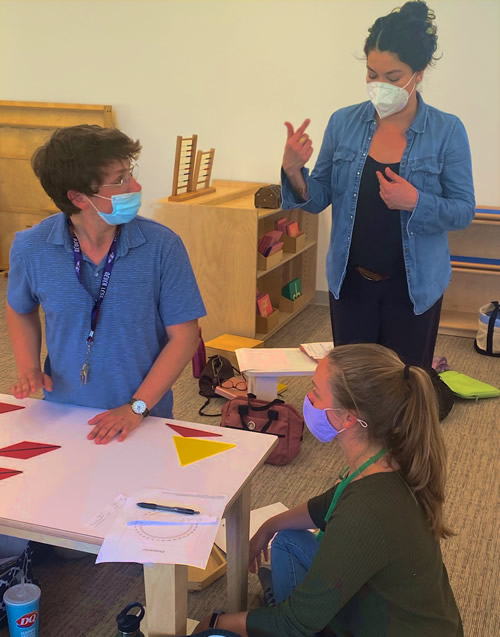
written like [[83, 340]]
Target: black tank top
[[376, 242]]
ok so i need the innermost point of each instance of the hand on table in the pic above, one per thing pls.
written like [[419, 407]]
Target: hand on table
[[120, 420], [30, 382], [259, 545], [298, 148], [397, 193]]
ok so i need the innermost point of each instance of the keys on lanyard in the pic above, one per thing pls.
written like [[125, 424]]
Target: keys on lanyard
[[110, 259]]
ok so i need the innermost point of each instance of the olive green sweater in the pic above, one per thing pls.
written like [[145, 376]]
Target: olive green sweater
[[378, 571]]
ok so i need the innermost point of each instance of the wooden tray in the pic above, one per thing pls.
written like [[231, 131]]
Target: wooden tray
[[199, 578]]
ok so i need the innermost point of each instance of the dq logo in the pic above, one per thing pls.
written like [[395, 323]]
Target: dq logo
[[27, 620]]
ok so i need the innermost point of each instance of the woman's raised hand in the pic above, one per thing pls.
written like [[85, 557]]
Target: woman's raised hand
[[298, 148]]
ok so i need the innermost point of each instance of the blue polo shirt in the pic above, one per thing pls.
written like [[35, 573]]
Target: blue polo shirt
[[152, 286]]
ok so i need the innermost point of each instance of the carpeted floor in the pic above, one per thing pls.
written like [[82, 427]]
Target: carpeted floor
[[81, 599]]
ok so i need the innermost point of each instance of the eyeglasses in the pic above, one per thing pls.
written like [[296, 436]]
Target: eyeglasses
[[230, 384], [132, 173]]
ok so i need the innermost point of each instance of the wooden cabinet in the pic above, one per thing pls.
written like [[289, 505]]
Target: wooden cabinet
[[221, 232], [25, 126], [475, 281]]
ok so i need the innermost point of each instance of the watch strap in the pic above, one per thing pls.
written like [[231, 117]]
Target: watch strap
[[215, 618]]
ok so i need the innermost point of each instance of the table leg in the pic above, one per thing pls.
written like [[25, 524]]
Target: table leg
[[264, 387], [166, 599], [237, 531]]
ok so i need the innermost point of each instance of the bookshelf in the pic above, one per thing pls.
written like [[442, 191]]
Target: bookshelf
[[24, 126], [475, 280], [221, 232]]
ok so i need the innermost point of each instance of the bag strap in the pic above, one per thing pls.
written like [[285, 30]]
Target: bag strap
[[272, 414], [201, 412], [491, 328], [276, 401]]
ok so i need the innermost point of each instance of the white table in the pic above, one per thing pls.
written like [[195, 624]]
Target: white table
[[60, 491], [262, 367]]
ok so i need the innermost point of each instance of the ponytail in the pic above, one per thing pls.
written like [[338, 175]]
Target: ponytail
[[399, 404], [417, 446]]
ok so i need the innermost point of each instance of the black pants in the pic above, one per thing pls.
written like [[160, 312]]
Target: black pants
[[382, 312]]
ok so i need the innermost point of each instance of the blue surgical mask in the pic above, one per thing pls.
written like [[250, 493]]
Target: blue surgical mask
[[125, 207], [318, 424]]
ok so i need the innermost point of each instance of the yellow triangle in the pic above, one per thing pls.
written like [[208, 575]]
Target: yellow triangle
[[193, 449]]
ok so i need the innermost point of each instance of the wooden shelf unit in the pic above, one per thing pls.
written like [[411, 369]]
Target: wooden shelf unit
[[473, 284], [221, 232], [25, 126]]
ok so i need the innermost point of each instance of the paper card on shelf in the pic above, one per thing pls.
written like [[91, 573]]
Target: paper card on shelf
[[257, 519], [6, 407], [25, 450], [8, 473], [317, 351], [189, 432], [264, 306], [179, 543], [274, 360]]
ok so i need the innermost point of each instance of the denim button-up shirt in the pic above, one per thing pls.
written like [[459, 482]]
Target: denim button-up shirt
[[436, 161]]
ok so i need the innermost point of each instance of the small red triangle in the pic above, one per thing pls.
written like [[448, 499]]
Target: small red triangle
[[8, 473], [188, 432], [6, 407]]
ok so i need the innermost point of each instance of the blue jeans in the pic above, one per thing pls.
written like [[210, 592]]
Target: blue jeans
[[292, 553]]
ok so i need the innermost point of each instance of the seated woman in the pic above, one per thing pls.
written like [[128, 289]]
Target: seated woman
[[375, 569]]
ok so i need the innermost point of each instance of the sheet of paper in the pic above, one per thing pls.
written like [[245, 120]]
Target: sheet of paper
[[188, 543], [317, 350], [274, 359], [110, 511], [257, 519]]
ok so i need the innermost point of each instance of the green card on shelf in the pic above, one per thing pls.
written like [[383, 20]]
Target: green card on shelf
[[292, 290]]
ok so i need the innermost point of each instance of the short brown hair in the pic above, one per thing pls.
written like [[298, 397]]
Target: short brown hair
[[74, 159], [401, 410]]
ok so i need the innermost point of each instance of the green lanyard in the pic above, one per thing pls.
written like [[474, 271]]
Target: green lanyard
[[343, 484]]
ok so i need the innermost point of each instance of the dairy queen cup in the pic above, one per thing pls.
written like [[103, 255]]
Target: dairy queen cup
[[23, 610]]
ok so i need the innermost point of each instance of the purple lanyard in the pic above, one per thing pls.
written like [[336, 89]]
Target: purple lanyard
[[94, 316]]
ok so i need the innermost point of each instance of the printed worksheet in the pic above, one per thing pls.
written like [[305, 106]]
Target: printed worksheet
[[148, 535]]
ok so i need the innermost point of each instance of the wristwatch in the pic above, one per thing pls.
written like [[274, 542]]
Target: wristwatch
[[139, 407]]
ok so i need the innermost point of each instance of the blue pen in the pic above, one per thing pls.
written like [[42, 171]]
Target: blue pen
[[162, 507]]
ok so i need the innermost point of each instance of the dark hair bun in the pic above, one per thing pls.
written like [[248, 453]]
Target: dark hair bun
[[417, 10], [409, 32]]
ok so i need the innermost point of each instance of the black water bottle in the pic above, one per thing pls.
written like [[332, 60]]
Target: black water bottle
[[130, 625]]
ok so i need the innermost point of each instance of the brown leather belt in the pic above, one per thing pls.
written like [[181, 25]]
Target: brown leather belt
[[369, 275]]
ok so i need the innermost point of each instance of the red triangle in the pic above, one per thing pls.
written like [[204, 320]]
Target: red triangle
[[8, 473], [5, 407], [188, 432], [25, 450]]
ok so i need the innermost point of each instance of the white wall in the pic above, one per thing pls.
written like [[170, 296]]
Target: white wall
[[233, 71]]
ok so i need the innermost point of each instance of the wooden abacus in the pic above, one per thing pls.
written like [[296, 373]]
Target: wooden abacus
[[191, 178]]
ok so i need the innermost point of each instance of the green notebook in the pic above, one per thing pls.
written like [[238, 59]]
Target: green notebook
[[466, 387]]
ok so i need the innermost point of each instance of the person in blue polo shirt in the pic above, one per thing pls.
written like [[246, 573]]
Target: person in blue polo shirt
[[120, 299], [398, 175]]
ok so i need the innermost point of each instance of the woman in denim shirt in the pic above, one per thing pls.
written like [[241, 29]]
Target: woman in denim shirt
[[398, 175]]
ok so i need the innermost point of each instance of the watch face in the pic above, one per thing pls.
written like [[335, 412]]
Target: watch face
[[139, 406]]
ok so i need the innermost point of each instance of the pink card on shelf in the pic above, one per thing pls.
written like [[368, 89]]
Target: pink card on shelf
[[265, 306], [6, 407], [8, 473], [26, 450]]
